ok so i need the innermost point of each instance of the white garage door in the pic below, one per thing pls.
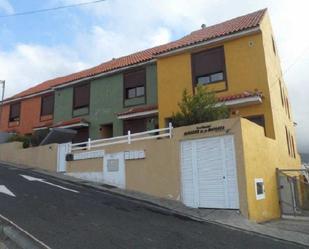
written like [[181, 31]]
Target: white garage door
[[209, 176]]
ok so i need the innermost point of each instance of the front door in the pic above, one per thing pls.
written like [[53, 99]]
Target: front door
[[209, 176]]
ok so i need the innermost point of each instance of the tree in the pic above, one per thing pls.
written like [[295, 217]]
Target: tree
[[201, 107]]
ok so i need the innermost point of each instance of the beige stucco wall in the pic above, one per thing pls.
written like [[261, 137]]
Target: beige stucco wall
[[159, 173], [89, 165], [44, 157]]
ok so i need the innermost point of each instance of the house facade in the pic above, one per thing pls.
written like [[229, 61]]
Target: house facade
[[222, 164], [102, 103], [236, 59], [22, 115]]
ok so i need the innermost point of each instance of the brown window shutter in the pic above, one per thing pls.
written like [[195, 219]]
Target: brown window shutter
[[134, 125], [81, 96], [47, 107], [14, 111], [135, 79], [208, 62]]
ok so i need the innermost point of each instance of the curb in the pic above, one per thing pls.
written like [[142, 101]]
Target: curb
[[174, 212], [16, 237], [150, 204]]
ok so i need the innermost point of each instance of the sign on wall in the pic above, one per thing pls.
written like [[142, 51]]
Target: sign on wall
[[205, 129], [88, 155], [135, 154]]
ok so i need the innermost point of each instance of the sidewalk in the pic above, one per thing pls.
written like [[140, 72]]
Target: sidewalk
[[289, 230]]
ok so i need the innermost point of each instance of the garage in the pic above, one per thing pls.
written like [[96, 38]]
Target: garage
[[209, 174]]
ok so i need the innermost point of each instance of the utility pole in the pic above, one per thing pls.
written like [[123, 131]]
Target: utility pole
[[2, 98]]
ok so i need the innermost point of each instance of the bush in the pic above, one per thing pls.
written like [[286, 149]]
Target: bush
[[199, 108], [20, 138]]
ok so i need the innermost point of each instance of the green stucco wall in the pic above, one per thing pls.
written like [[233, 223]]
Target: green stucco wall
[[106, 100]]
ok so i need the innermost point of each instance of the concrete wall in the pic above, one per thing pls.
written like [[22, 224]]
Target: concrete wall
[[106, 100], [43, 157], [159, 173]]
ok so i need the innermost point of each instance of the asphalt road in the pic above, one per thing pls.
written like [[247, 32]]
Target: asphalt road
[[93, 219]]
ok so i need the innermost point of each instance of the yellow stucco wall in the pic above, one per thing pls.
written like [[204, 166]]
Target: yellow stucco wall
[[279, 112], [251, 64], [245, 69], [43, 157]]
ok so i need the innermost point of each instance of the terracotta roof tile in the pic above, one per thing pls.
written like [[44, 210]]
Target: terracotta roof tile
[[70, 122], [138, 109], [228, 27], [44, 124], [239, 96]]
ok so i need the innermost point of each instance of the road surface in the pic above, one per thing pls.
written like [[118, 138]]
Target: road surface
[[65, 216]]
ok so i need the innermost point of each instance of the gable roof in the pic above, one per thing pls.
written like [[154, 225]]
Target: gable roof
[[229, 27]]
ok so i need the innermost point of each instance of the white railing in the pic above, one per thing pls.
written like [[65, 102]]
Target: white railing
[[131, 137]]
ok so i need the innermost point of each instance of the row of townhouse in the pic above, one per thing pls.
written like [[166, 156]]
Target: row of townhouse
[[237, 59]]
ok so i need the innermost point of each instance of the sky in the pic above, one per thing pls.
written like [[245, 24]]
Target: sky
[[42, 46]]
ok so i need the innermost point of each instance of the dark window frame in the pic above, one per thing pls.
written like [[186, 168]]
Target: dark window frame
[[274, 45], [15, 118], [281, 93], [288, 140], [210, 82], [135, 91], [125, 88], [195, 76], [75, 106], [53, 106]]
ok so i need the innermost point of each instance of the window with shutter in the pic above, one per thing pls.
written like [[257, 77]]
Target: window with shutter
[[134, 84], [81, 96], [47, 105], [208, 66], [14, 112]]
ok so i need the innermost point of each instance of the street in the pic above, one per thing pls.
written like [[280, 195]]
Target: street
[[68, 216]]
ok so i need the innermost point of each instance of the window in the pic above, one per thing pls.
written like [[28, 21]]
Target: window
[[288, 140], [259, 188], [135, 92], [288, 107], [293, 146], [204, 80], [81, 96], [134, 84], [14, 112], [47, 105], [134, 125], [281, 93], [274, 46], [208, 66]]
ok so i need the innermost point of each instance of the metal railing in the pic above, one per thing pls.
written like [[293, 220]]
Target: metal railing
[[129, 138], [293, 192]]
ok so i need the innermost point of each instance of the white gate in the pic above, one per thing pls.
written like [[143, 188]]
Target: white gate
[[114, 170], [63, 150], [209, 175]]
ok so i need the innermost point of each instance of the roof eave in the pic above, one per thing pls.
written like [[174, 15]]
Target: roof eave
[[250, 31]]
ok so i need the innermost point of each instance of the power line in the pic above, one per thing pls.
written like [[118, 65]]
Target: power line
[[50, 9], [298, 58]]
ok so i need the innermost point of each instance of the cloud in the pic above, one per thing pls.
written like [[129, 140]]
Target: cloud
[[6, 7], [27, 65]]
